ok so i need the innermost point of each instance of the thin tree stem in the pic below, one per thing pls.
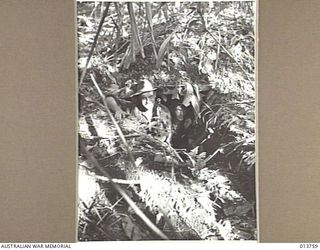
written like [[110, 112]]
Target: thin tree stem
[[105, 13]]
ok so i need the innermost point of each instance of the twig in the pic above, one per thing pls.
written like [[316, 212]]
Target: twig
[[123, 45], [116, 25], [94, 9], [103, 217], [108, 213], [114, 137], [207, 106], [212, 155], [115, 222], [123, 139], [218, 52], [94, 43], [130, 202], [97, 212], [232, 103], [84, 204], [87, 219], [118, 181], [116, 203], [84, 228], [173, 150]]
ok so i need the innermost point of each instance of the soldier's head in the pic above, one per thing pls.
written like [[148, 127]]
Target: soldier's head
[[144, 94]]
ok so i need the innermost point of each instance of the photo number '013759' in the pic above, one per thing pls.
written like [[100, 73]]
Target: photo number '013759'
[[166, 120]]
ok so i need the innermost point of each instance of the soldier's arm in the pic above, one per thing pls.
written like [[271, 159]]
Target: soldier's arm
[[114, 107]]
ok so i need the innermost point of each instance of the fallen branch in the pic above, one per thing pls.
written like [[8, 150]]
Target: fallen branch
[[116, 186], [118, 181]]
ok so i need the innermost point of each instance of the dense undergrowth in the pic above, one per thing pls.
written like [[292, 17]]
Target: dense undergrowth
[[202, 185]]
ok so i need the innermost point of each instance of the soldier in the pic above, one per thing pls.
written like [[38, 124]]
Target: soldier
[[139, 99]]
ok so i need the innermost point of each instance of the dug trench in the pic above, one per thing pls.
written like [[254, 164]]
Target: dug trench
[[196, 155]]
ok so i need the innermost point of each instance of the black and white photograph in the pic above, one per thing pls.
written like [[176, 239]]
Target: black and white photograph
[[166, 120]]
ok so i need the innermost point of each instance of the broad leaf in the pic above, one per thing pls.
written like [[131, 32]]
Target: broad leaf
[[163, 48]]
